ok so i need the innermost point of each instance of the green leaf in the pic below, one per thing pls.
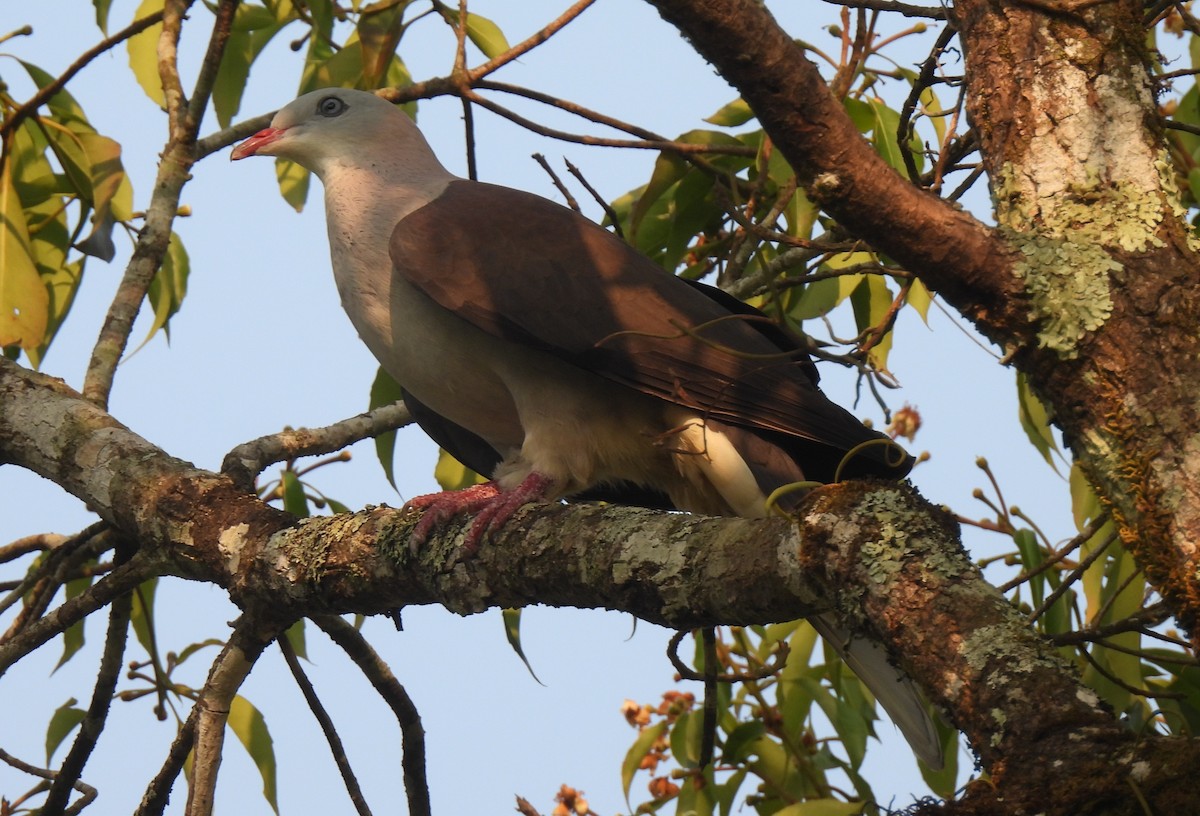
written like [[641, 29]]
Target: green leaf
[[637, 752], [512, 632], [293, 183], [685, 738], [1031, 558], [251, 729], [24, 301], [143, 53], [102, 7], [481, 31], [385, 391], [740, 741], [452, 474], [168, 288], [379, 31], [871, 300], [295, 637], [294, 500], [142, 616], [920, 299], [733, 114], [246, 42], [73, 636], [63, 107], [1085, 506], [192, 648], [62, 722], [1035, 420]]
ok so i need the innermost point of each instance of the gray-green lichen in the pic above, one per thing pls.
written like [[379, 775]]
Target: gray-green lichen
[[1065, 240]]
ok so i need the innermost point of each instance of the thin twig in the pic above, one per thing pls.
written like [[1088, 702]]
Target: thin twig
[[1071, 546], [247, 460], [907, 9], [102, 696], [89, 793], [351, 641], [604, 205], [529, 43], [158, 792], [327, 726], [43, 95], [562, 188], [1072, 578]]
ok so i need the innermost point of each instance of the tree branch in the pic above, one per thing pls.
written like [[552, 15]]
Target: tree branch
[[247, 460], [229, 671], [412, 734], [952, 252]]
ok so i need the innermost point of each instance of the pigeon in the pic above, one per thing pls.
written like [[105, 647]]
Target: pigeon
[[547, 354]]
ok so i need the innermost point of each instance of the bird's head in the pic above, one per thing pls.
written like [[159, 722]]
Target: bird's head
[[335, 126]]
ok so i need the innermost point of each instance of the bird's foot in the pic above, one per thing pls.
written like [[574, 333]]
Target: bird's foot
[[491, 505]]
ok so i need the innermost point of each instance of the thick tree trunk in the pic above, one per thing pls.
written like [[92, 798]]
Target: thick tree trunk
[[1090, 281]]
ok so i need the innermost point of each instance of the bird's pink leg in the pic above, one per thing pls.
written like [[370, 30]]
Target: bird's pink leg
[[491, 505]]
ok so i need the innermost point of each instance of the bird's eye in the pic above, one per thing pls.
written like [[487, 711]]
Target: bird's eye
[[331, 106]]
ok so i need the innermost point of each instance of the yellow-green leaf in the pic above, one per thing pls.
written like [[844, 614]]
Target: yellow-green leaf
[[512, 631], [1035, 420], [385, 391], [452, 474], [733, 114], [248, 724], [295, 637], [142, 616], [168, 288], [637, 752], [143, 53], [871, 301], [481, 31], [62, 722], [24, 301], [293, 183], [294, 500], [920, 299], [73, 636]]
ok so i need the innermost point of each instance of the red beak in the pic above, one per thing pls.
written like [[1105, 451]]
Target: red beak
[[257, 142]]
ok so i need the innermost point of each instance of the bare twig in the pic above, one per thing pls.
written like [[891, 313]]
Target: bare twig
[[604, 205], [102, 696], [1073, 577], [247, 460], [173, 173], [907, 9], [531, 42], [89, 793], [38, 542], [43, 95], [155, 799], [352, 642], [1070, 547], [562, 188], [112, 586], [327, 726]]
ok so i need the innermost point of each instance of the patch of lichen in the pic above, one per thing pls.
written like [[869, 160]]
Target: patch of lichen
[[393, 538], [1065, 244], [307, 549]]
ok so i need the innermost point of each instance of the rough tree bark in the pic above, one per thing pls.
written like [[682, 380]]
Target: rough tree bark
[[1093, 267], [1090, 271]]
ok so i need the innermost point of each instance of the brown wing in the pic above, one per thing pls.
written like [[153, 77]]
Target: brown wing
[[527, 270]]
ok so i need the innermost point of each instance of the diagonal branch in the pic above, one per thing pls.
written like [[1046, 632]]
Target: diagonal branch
[[416, 786], [230, 669], [950, 250], [327, 726]]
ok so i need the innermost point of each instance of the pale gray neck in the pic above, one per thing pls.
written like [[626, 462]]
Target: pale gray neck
[[361, 212]]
